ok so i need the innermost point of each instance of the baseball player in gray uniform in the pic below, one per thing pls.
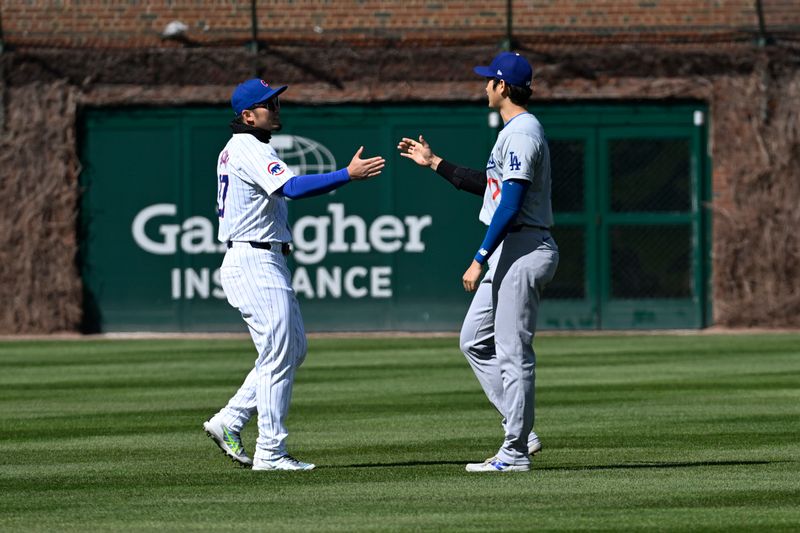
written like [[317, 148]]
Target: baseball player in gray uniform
[[253, 184], [521, 255]]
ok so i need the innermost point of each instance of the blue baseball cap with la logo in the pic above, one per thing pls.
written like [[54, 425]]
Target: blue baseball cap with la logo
[[252, 92], [510, 67]]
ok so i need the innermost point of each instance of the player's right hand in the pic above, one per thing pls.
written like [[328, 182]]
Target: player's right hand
[[361, 169], [419, 152]]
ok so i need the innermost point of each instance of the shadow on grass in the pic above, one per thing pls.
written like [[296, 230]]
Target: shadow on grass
[[622, 466], [395, 465], [657, 464]]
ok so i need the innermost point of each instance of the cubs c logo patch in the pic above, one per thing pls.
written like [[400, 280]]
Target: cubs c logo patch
[[265, 84], [275, 168]]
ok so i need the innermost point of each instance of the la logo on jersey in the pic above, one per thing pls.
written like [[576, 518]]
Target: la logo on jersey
[[275, 168], [514, 164]]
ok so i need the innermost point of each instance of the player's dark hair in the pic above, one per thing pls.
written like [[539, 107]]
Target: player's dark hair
[[520, 96]]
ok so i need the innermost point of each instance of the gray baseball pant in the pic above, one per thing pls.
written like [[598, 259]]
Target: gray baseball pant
[[497, 334]]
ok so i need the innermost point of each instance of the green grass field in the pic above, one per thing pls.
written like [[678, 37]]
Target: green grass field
[[694, 433]]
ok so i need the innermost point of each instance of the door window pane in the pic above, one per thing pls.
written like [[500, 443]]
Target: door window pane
[[651, 261], [570, 278], [650, 175], [566, 171]]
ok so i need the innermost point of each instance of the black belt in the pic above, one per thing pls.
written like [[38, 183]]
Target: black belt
[[286, 249], [519, 227]]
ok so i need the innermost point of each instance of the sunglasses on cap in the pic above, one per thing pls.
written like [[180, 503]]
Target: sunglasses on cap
[[273, 104]]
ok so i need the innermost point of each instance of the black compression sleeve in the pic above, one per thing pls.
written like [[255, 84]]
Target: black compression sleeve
[[463, 178]]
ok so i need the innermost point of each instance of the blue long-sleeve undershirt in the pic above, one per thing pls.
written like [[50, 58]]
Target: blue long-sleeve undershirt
[[314, 184], [511, 197]]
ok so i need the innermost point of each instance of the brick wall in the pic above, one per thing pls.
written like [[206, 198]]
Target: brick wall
[[133, 23]]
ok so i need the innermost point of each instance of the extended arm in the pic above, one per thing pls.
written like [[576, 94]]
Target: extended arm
[[462, 178], [315, 184]]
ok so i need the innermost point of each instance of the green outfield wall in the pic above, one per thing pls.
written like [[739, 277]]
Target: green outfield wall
[[629, 186]]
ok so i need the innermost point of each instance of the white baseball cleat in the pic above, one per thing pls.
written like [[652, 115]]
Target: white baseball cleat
[[229, 441], [287, 462], [534, 445], [493, 464]]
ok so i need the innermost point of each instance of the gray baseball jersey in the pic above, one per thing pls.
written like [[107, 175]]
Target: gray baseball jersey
[[497, 334], [520, 153]]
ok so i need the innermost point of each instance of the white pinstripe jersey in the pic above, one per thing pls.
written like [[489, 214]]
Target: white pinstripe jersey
[[520, 153], [248, 173]]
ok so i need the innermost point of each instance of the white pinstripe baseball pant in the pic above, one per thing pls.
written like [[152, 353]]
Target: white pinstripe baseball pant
[[258, 283]]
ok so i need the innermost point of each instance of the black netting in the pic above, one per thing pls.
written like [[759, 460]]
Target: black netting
[[651, 261], [567, 163], [570, 279], [650, 175]]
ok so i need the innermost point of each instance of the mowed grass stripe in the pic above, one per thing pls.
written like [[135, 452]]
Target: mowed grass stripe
[[641, 432]]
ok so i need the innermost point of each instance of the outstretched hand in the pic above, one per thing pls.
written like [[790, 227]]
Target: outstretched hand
[[361, 169], [419, 152]]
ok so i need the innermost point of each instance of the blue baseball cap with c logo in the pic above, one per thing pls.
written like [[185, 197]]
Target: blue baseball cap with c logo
[[252, 92], [510, 67]]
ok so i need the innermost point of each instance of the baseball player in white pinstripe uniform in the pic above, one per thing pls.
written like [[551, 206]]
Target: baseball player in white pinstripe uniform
[[520, 253], [253, 184]]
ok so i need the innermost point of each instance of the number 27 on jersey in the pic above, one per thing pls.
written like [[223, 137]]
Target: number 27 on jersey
[[222, 193]]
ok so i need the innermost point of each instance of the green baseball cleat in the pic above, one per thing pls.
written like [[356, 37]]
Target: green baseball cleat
[[228, 441]]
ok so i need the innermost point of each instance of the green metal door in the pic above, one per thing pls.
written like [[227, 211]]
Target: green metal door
[[629, 185], [572, 299]]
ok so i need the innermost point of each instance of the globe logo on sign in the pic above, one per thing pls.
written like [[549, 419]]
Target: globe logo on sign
[[303, 155]]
